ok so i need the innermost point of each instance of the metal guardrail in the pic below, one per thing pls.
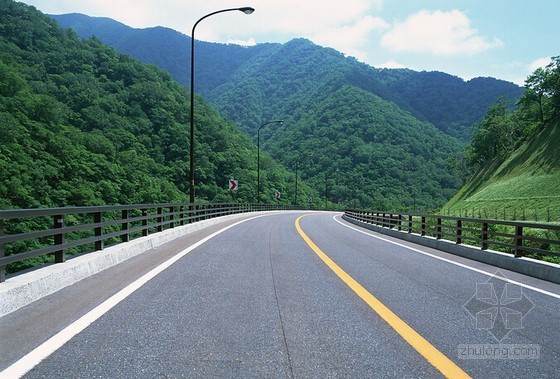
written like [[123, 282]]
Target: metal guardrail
[[30, 233], [515, 237]]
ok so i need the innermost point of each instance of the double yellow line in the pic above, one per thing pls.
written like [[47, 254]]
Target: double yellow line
[[419, 343]]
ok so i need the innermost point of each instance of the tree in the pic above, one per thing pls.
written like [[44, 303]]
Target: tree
[[541, 100], [495, 136]]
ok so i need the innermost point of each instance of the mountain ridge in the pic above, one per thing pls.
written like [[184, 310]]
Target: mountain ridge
[[82, 124], [369, 148], [225, 60]]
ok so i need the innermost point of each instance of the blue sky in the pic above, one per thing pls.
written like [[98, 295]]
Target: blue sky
[[505, 39]]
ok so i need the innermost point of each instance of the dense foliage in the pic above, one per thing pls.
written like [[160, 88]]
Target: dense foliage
[[164, 47], [81, 124], [361, 136], [446, 101], [502, 130], [513, 159], [366, 151]]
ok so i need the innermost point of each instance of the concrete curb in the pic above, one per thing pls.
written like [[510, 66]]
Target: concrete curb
[[21, 290], [527, 266]]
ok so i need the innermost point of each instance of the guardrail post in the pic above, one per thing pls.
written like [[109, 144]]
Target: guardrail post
[[159, 219], [171, 217], [423, 226], [182, 215], [2, 253], [484, 236], [518, 241], [190, 213], [98, 230], [145, 228], [59, 256], [400, 222], [410, 223], [125, 237], [438, 228], [459, 232]]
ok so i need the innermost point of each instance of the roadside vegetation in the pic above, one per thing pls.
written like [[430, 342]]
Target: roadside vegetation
[[512, 164], [82, 125], [513, 161]]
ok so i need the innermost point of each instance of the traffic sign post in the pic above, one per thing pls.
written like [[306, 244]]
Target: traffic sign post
[[233, 185]]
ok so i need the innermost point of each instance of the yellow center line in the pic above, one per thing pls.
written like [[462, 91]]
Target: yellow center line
[[447, 367]]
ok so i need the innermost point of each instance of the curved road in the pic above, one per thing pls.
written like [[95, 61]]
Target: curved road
[[288, 296]]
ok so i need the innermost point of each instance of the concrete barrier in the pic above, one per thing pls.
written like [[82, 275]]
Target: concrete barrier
[[23, 289], [528, 266]]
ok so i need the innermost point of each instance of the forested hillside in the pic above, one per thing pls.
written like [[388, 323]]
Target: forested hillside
[[446, 101], [514, 156], [164, 47], [366, 150], [81, 124], [365, 137]]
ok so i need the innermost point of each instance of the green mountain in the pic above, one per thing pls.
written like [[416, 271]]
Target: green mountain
[[366, 137], [367, 150], [446, 101], [81, 124]]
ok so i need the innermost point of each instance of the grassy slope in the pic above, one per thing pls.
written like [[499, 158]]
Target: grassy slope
[[525, 185]]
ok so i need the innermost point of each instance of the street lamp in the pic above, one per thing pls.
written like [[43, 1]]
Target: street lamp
[[259, 156], [246, 10]]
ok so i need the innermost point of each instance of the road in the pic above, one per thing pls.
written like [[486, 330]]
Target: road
[[286, 296]]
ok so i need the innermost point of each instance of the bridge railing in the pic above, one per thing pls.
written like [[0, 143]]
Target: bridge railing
[[515, 237], [31, 237]]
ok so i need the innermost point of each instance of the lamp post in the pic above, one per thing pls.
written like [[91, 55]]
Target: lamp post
[[246, 10], [297, 166], [259, 156]]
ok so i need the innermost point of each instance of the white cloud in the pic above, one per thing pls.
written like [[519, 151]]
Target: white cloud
[[249, 42], [283, 19], [352, 38], [539, 63], [439, 33], [354, 27], [345, 26], [391, 64]]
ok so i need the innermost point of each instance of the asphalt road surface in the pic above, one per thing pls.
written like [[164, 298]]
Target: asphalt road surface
[[286, 296]]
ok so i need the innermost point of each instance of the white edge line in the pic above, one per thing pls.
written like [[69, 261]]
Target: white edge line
[[552, 294], [33, 358]]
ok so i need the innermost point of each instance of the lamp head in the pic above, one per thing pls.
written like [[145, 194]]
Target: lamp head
[[247, 10]]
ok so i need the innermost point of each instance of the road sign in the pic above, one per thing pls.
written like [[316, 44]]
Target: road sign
[[233, 186], [278, 194]]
